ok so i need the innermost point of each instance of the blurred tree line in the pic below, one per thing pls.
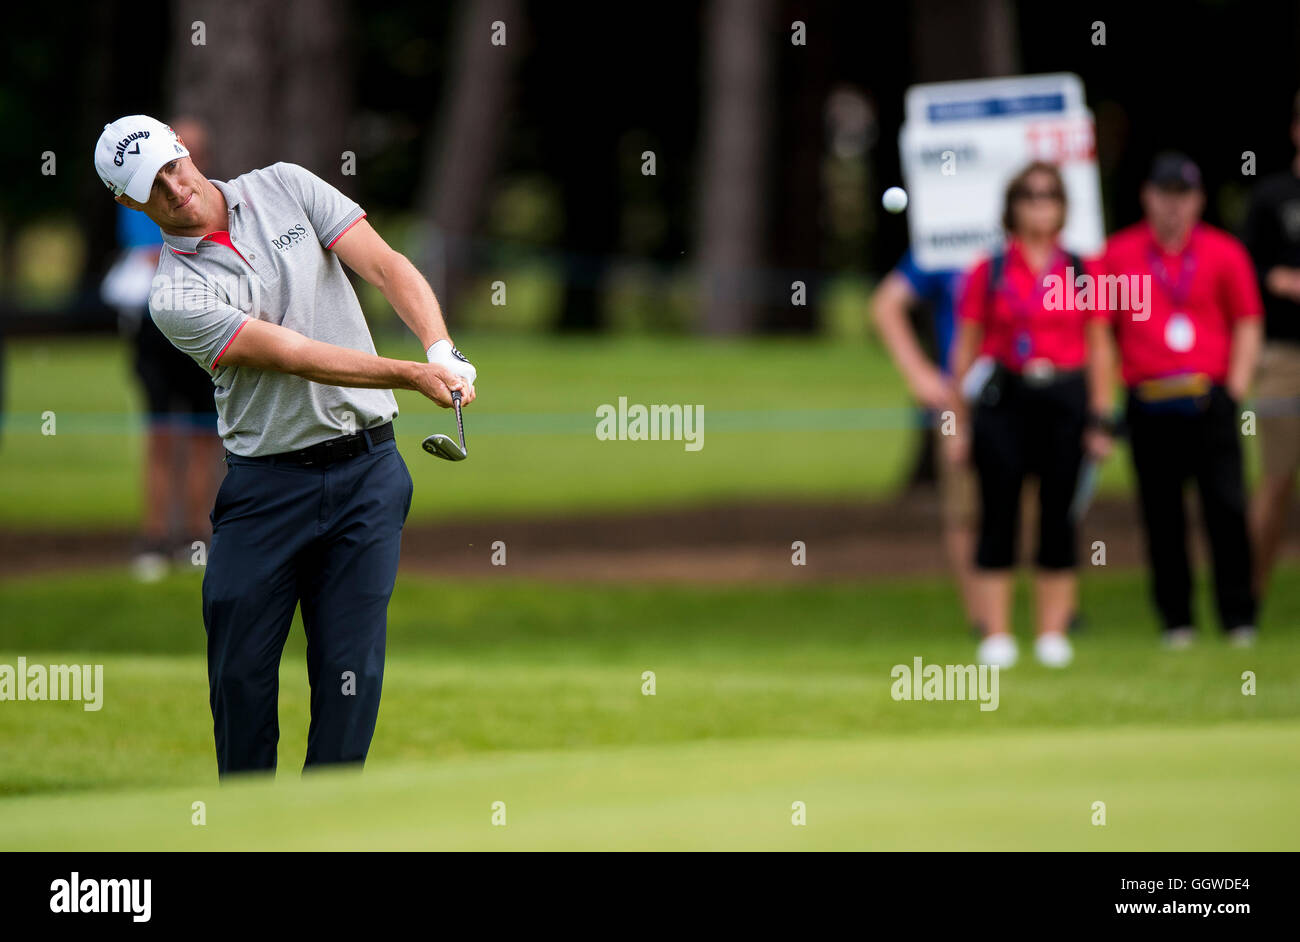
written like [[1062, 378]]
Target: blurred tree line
[[685, 162]]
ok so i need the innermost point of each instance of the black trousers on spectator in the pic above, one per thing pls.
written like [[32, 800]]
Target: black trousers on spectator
[[1169, 448], [1028, 429]]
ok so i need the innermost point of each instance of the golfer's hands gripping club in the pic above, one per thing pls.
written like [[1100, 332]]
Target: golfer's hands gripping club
[[443, 354], [438, 383]]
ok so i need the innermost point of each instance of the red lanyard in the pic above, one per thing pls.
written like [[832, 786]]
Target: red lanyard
[[1025, 307], [1178, 292]]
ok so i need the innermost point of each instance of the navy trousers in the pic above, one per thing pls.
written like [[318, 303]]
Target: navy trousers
[[328, 538]]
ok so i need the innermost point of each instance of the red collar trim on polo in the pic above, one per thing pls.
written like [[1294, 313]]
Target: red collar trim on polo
[[222, 237]]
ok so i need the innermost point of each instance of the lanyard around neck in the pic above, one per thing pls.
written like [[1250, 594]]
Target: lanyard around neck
[[1180, 289], [1024, 306]]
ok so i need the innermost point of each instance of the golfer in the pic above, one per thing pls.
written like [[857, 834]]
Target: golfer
[[311, 509]]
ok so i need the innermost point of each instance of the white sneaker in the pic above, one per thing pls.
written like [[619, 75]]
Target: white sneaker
[[1178, 639], [998, 651], [1243, 636], [1053, 650]]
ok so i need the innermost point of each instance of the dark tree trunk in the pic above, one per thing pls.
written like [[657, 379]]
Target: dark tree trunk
[[963, 39], [271, 83], [229, 83], [798, 230], [732, 281], [580, 152], [315, 87], [461, 156]]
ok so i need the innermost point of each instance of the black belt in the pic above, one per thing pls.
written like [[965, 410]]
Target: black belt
[[334, 450], [1037, 375]]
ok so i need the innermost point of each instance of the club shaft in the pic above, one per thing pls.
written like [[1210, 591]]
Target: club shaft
[[460, 423]]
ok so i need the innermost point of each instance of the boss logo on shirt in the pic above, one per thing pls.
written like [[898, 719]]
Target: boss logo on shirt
[[291, 238]]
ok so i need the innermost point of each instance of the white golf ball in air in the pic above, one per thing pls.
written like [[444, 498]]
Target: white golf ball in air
[[894, 199]]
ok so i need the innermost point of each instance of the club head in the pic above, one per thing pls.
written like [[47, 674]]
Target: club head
[[444, 446]]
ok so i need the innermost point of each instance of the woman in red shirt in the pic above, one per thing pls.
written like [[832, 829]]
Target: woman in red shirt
[[1035, 362]]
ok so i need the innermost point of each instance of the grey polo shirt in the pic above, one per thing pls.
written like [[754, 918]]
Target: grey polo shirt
[[272, 263]]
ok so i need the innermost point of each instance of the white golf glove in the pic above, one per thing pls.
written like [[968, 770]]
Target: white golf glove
[[443, 354]]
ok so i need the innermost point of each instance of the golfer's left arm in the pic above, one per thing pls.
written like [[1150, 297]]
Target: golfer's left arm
[[364, 251]]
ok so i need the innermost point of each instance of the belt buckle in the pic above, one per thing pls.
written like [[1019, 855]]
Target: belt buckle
[[1039, 371]]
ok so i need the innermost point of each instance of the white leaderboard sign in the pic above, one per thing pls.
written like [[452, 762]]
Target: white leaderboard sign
[[962, 141]]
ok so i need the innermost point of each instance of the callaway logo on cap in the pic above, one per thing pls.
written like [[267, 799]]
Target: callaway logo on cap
[[132, 150]]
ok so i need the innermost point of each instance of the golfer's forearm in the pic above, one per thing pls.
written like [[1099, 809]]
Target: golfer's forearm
[[338, 366], [264, 346], [415, 303]]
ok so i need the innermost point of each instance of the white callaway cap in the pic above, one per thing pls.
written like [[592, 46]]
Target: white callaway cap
[[132, 150]]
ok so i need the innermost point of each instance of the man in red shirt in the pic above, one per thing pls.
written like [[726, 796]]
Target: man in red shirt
[[1188, 342]]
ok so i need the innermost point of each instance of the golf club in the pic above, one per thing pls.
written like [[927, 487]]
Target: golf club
[[444, 446], [1084, 489]]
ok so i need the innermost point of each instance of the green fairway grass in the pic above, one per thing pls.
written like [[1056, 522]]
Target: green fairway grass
[[1223, 788], [784, 418], [776, 694]]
